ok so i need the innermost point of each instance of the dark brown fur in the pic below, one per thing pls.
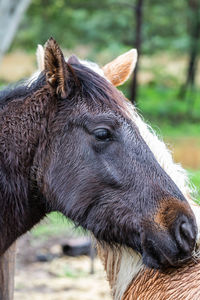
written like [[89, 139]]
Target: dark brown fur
[[52, 158]]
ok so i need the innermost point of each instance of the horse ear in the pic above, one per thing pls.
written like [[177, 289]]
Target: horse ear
[[120, 69], [40, 57], [55, 67]]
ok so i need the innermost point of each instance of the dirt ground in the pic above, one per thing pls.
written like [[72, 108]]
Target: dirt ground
[[62, 278]]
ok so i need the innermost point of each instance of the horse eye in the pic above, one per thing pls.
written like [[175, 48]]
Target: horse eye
[[102, 134]]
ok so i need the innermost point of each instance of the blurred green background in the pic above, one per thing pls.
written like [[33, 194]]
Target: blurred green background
[[165, 88]]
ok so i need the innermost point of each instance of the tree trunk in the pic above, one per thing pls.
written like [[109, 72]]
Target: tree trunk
[[138, 13], [194, 9], [7, 270], [11, 12]]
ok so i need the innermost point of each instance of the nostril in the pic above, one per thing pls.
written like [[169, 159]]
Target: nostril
[[186, 230], [185, 236], [188, 234]]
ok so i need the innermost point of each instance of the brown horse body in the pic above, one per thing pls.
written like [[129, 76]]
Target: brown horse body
[[180, 284]]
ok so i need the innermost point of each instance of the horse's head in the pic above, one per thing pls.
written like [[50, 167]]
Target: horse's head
[[98, 170]]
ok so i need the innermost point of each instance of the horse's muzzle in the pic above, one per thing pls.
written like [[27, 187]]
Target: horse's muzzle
[[169, 247]]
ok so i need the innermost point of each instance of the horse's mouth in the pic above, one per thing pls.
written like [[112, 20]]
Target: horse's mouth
[[165, 255], [161, 261]]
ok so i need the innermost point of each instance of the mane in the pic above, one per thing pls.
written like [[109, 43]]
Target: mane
[[84, 83], [96, 89], [21, 89]]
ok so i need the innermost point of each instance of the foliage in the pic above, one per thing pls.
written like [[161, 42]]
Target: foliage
[[160, 102], [108, 27], [107, 24], [195, 179], [171, 130]]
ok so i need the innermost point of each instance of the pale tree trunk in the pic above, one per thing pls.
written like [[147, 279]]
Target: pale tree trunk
[[11, 12], [194, 32], [7, 270]]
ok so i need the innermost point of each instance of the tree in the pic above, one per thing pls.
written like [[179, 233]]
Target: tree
[[7, 270], [194, 33], [138, 13], [11, 12]]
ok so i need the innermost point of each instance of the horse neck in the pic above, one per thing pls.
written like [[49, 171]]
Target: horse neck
[[21, 124]]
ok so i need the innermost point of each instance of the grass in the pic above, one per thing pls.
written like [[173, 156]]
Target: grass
[[3, 83], [182, 130], [160, 101], [160, 105], [73, 273], [195, 179], [55, 224]]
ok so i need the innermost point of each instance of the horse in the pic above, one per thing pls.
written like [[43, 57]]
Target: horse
[[69, 144], [128, 277]]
